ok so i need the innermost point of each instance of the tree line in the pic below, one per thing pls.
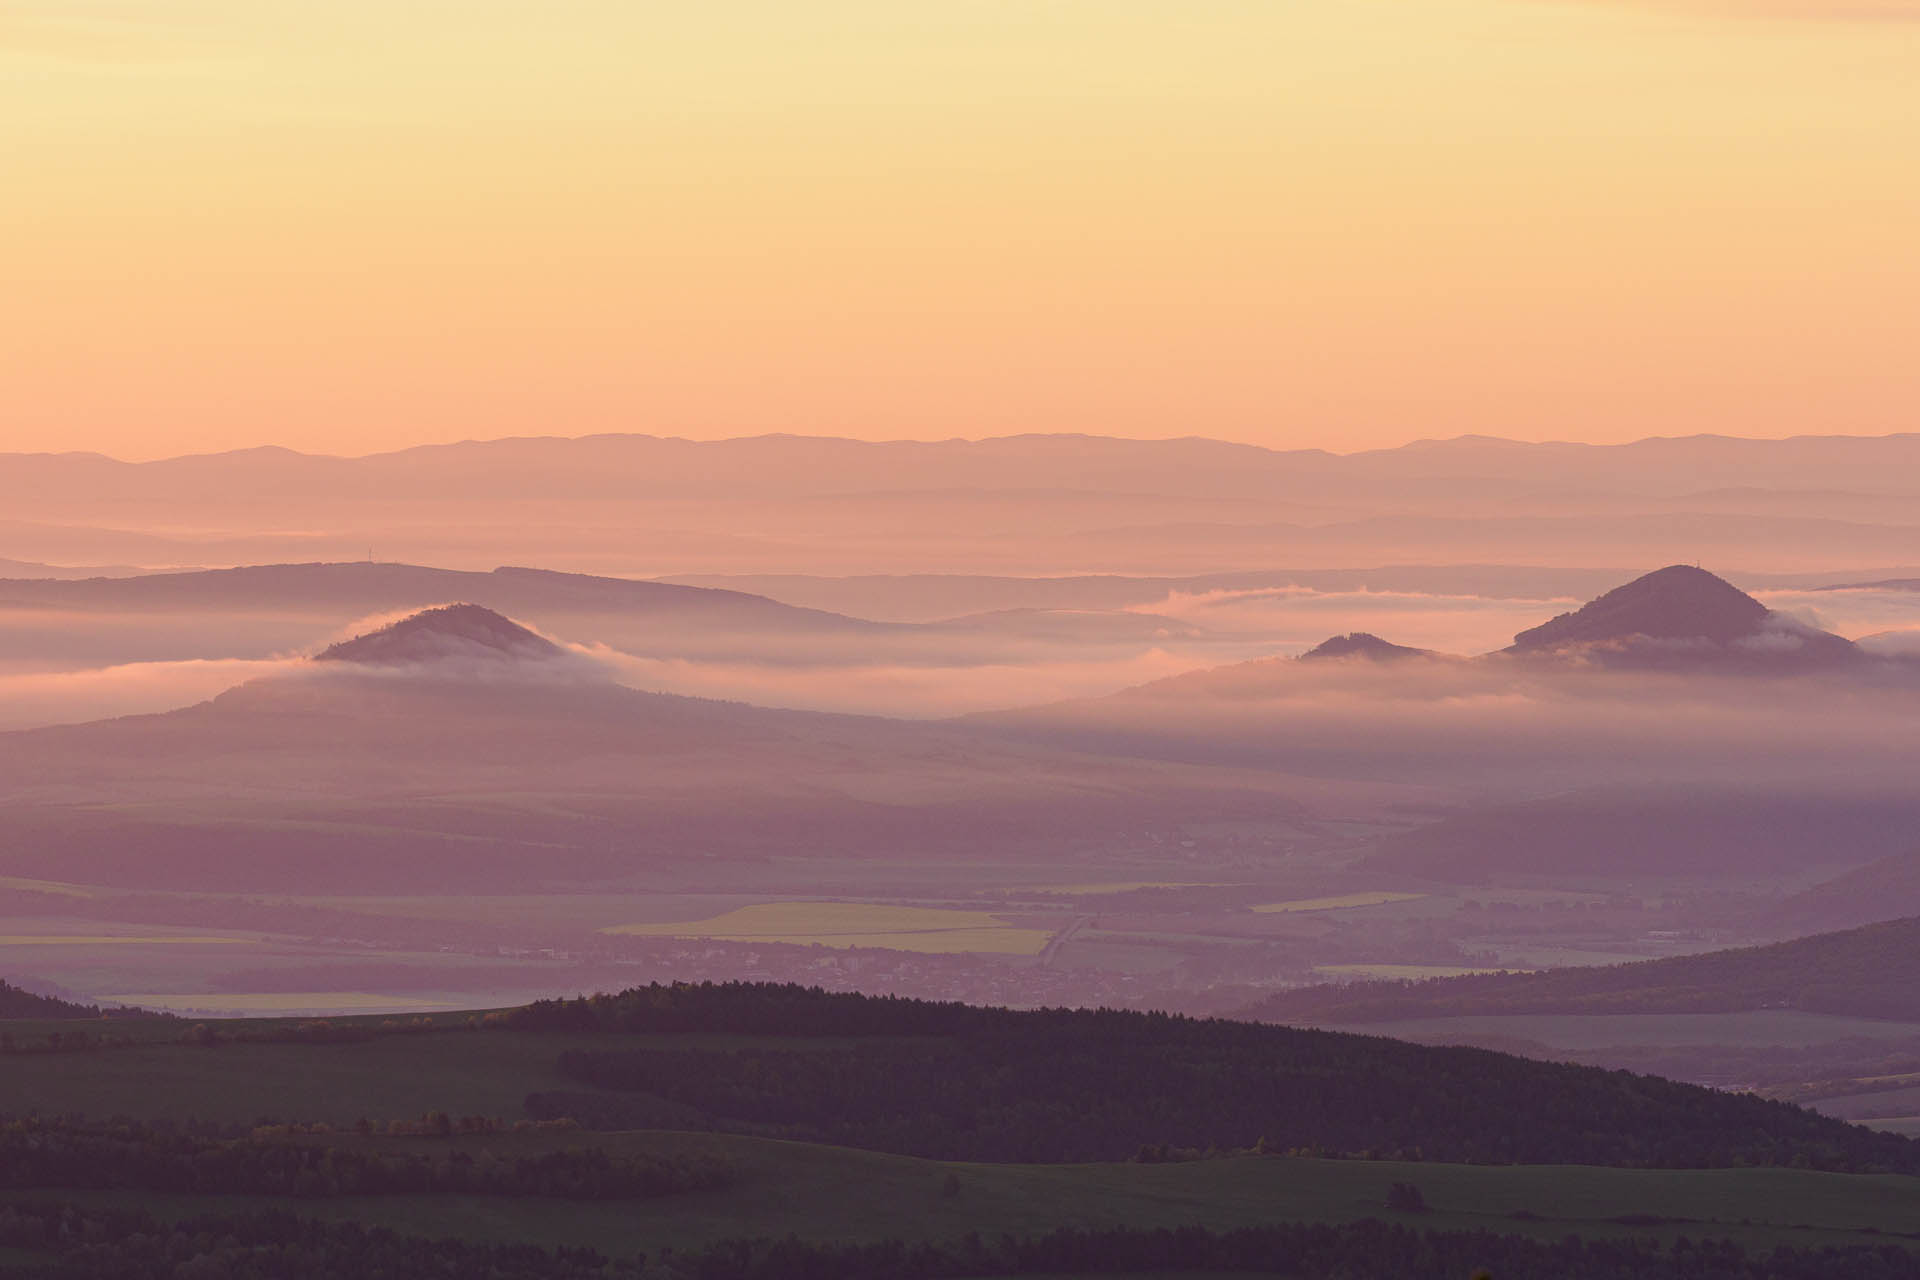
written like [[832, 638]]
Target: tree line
[[67, 1242], [37, 1153], [17, 1002]]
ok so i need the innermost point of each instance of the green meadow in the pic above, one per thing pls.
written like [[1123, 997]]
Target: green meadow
[[832, 1193]]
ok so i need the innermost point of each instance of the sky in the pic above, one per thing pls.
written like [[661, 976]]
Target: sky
[[358, 225]]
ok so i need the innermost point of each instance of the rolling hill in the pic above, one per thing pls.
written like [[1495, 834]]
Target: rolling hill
[[1885, 889], [352, 589], [1863, 972]]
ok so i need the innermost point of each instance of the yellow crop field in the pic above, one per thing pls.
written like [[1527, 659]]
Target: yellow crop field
[[114, 939], [855, 924], [1343, 902]]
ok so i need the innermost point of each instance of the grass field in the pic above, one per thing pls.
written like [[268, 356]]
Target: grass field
[[542, 911], [1111, 886], [457, 1071], [228, 1002], [832, 1193], [1118, 957], [118, 940], [855, 924]]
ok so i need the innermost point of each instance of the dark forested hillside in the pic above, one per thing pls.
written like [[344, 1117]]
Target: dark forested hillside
[[956, 1082], [1865, 972], [16, 1003]]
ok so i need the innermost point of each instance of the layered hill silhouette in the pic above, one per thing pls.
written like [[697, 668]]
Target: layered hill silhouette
[[601, 466], [456, 746], [1031, 503], [1563, 752], [357, 588], [1865, 972], [1679, 618]]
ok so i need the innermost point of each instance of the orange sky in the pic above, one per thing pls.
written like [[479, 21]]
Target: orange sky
[[1345, 223]]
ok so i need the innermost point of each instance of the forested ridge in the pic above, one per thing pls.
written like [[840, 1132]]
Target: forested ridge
[[951, 1081], [18, 1003], [1865, 972]]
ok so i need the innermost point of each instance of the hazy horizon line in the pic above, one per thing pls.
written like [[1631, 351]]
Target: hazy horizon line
[[1416, 442]]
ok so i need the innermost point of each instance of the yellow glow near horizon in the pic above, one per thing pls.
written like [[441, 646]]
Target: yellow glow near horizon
[[352, 226]]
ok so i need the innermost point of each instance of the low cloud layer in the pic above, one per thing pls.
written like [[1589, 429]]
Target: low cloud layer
[[1297, 618], [896, 689], [1505, 726], [68, 667], [30, 699]]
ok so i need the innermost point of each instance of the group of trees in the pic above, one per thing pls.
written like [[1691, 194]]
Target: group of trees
[[764, 1009], [954, 1082], [69, 1242], [37, 1153], [16, 1002], [73, 1242]]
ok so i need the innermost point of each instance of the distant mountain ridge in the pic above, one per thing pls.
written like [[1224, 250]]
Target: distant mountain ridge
[[654, 506], [1681, 464]]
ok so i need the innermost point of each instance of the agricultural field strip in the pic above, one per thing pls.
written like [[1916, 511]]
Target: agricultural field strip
[[854, 924], [115, 939], [1343, 902]]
